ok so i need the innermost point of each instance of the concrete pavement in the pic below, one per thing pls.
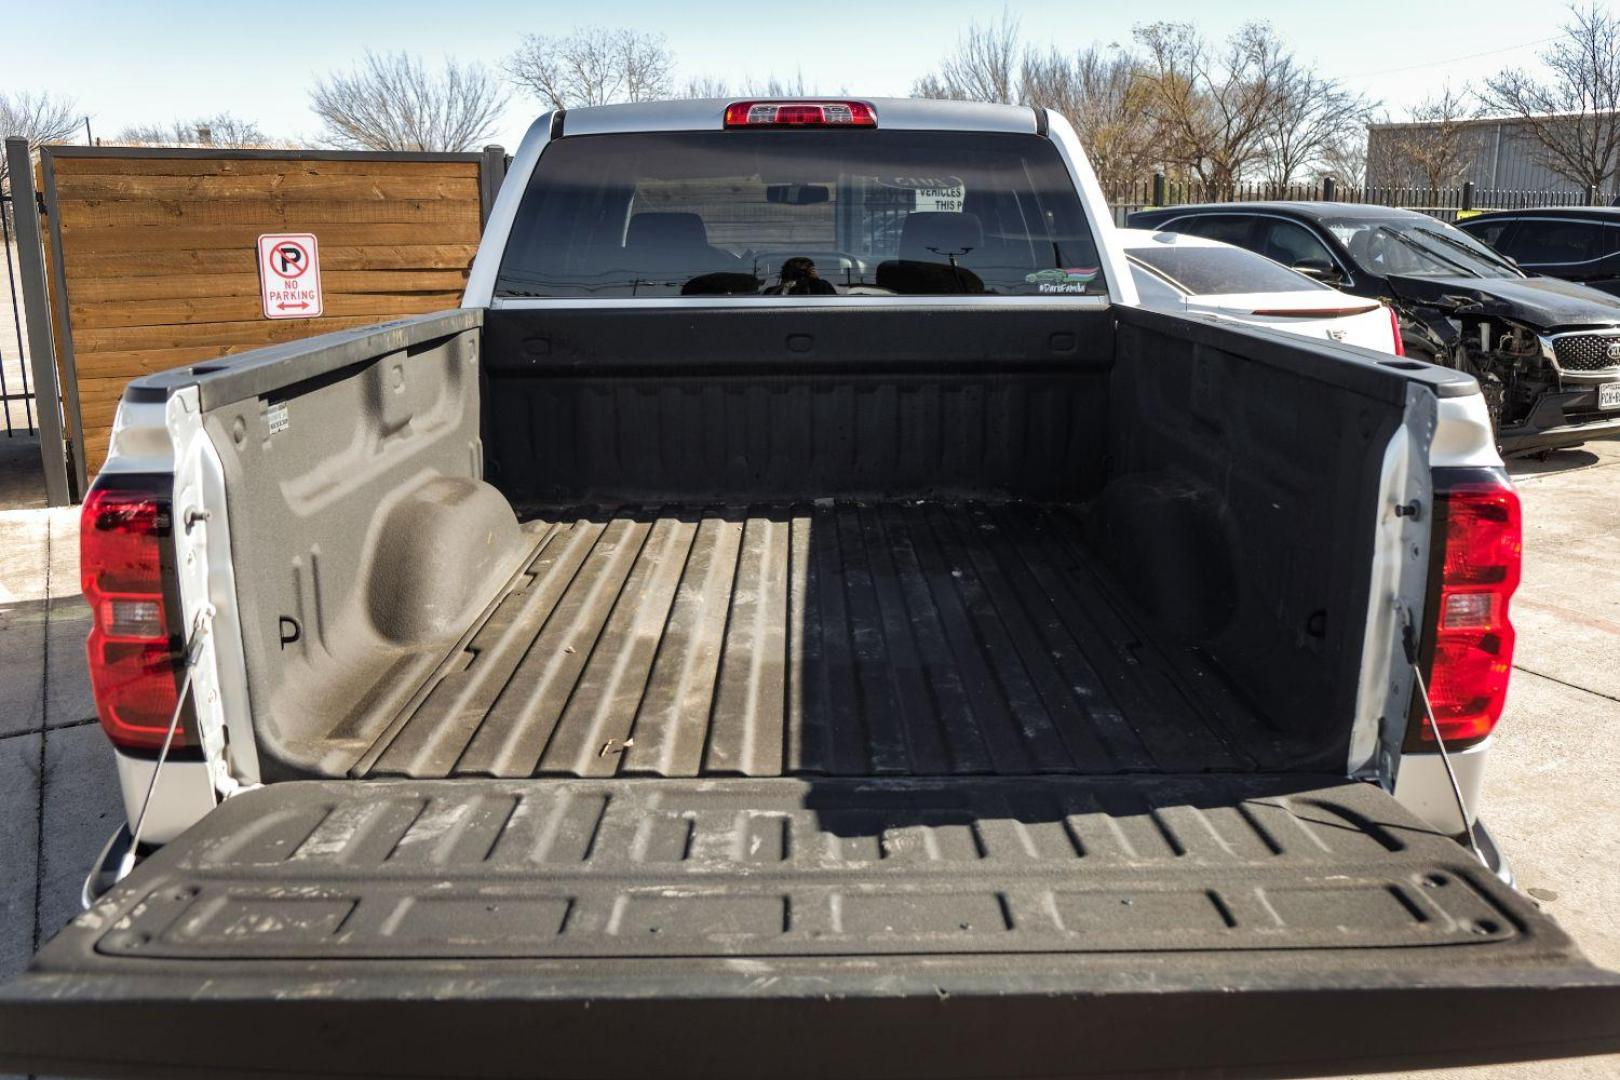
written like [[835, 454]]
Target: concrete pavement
[[1553, 793], [59, 796]]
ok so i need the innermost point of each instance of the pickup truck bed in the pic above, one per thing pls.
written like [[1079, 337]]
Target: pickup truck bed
[[933, 553], [986, 678], [845, 639]]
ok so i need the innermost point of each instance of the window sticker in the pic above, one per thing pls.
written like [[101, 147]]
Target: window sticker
[[1072, 279], [941, 200], [931, 194]]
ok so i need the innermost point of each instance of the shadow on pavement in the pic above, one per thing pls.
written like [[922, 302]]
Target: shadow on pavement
[[1558, 461]]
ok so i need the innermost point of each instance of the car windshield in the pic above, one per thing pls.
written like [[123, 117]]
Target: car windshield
[[1418, 248], [1213, 270], [800, 213]]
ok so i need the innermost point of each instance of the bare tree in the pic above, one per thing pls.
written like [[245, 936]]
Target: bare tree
[[1218, 105], [1311, 116], [593, 66], [1432, 148], [1380, 160], [772, 86], [391, 101], [778, 86], [40, 118], [984, 67], [1574, 115], [704, 86], [1217, 112], [1100, 92], [1345, 159], [222, 130]]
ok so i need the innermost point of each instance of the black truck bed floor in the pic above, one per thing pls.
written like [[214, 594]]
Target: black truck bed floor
[[848, 639]]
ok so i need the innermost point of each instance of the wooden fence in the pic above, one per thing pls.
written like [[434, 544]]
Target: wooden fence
[[152, 258]]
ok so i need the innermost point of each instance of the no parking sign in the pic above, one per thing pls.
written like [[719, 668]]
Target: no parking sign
[[290, 275]]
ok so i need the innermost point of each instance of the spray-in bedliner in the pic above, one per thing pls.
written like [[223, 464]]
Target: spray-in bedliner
[[841, 638]]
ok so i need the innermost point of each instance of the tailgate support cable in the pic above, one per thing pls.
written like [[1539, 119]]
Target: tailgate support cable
[[199, 630], [1409, 643]]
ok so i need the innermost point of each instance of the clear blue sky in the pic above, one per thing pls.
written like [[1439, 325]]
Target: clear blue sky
[[156, 62]]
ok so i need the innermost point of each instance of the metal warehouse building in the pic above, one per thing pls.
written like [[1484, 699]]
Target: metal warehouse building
[[1501, 155]]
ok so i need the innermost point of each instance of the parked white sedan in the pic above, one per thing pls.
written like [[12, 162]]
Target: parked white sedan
[[1178, 272]]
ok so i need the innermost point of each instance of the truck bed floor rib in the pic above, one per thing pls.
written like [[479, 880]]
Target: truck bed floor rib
[[851, 639]]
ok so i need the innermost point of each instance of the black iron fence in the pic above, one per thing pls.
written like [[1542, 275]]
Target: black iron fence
[[1447, 204], [16, 395]]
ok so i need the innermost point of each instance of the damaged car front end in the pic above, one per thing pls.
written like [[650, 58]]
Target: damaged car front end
[[1546, 353]]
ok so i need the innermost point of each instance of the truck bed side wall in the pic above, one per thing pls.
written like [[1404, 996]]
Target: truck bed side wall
[[1239, 510], [629, 405], [364, 536]]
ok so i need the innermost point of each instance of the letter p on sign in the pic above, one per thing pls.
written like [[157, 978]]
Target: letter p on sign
[[290, 275]]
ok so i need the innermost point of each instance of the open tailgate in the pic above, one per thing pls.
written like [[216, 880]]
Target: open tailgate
[[1266, 926]]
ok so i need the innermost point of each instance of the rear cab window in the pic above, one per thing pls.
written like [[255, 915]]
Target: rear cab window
[[800, 213]]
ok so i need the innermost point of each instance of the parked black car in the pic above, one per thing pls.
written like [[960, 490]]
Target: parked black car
[[1546, 352], [1576, 243]]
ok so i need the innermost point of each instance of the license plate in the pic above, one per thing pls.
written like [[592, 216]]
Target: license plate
[[1609, 396]]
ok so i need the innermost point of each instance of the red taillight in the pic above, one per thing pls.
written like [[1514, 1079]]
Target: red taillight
[[1473, 637], [1395, 331], [800, 114], [124, 530]]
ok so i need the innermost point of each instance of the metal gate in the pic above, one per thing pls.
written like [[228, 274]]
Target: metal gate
[[16, 393], [29, 396]]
